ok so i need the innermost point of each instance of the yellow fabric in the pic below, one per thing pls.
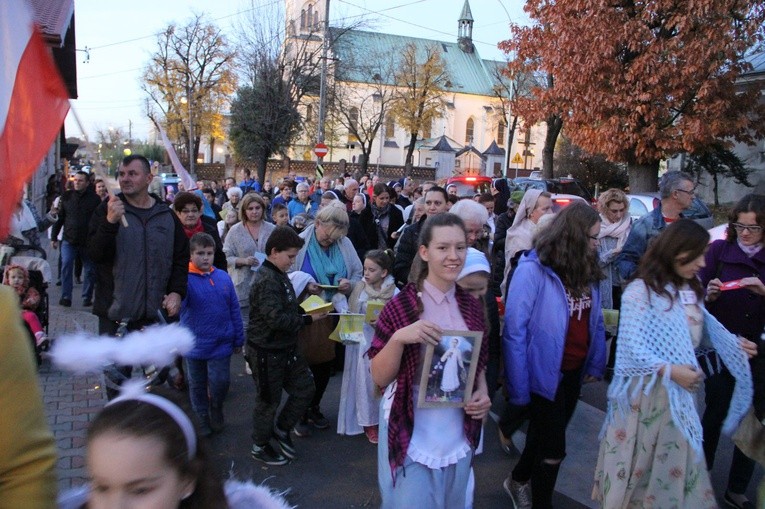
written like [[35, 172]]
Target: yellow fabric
[[27, 449]]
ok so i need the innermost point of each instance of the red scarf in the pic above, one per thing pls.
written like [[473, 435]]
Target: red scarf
[[199, 228]]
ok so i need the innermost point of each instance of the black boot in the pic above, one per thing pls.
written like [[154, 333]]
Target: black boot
[[543, 478], [216, 418]]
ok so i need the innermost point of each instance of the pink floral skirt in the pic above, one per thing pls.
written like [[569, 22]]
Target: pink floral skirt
[[646, 462]]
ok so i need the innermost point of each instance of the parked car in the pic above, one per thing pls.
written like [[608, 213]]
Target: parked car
[[643, 203], [170, 179], [564, 191], [469, 186]]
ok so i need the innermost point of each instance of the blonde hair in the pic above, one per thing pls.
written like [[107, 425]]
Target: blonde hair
[[610, 195], [334, 214], [246, 201]]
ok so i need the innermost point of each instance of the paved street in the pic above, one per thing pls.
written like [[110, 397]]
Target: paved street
[[331, 471]]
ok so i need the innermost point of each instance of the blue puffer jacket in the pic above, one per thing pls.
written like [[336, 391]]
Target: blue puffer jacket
[[536, 323], [211, 311]]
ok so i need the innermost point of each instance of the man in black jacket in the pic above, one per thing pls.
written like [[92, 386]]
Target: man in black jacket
[[406, 247], [75, 210], [140, 251]]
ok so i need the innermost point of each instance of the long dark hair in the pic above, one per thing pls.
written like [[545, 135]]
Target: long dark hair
[[564, 246], [657, 266], [140, 419], [419, 270], [749, 203]]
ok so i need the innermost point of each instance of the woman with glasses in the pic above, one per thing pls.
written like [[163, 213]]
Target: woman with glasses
[[188, 208], [554, 340], [740, 257], [330, 258]]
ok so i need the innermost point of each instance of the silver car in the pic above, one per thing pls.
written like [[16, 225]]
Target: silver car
[[643, 203]]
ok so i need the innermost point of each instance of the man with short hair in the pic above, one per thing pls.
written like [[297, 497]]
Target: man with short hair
[[323, 187], [248, 184], [676, 189], [74, 212], [350, 189], [142, 268], [406, 247], [301, 204]]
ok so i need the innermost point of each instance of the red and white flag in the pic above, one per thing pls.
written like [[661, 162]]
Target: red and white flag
[[189, 184], [33, 103]]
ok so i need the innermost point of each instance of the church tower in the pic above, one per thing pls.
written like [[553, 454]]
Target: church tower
[[465, 29], [304, 17]]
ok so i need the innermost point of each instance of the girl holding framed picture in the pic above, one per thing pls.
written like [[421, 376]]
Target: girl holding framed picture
[[424, 454]]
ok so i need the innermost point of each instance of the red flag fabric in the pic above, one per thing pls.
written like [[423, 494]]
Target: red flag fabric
[[33, 103]]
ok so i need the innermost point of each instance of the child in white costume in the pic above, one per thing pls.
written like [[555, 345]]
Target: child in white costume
[[359, 408]]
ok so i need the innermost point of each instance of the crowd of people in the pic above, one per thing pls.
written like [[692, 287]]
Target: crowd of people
[[504, 292]]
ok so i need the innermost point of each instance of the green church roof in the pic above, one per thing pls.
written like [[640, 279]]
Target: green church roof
[[358, 53]]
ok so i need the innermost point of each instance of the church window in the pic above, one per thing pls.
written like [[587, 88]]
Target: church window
[[309, 113], [501, 133], [302, 20], [469, 128]]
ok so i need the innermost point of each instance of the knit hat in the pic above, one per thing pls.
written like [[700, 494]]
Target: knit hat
[[475, 261]]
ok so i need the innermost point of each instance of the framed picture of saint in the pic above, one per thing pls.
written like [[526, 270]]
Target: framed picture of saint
[[448, 370]]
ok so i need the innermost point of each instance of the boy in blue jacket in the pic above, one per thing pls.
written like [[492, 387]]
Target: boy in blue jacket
[[211, 311]]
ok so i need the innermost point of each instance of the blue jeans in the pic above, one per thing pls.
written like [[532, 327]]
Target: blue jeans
[[68, 254], [208, 381]]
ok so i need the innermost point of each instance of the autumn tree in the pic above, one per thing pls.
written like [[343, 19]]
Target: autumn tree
[[720, 163], [638, 82], [420, 78], [190, 79]]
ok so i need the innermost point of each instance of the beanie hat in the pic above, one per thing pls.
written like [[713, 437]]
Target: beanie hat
[[475, 261]]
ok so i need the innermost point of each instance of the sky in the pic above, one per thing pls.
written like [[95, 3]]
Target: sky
[[120, 36]]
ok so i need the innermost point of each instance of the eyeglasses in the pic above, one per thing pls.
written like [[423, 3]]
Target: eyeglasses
[[690, 193], [752, 228]]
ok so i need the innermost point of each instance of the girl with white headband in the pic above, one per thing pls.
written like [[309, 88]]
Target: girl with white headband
[[143, 449]]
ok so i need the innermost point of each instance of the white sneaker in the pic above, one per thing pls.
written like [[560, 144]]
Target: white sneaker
[[520, 493]]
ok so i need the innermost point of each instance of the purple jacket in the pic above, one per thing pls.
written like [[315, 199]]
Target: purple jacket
[[740, 311]]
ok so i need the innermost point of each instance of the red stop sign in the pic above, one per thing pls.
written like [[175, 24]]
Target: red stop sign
[[320, 150]]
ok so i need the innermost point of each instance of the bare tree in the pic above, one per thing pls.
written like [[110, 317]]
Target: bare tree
[[279, 65], [361, 110]]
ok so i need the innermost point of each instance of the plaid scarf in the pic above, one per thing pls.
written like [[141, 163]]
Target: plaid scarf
[[401, 311]]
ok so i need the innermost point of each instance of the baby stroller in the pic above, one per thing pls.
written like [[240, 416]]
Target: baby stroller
[[40, 275]]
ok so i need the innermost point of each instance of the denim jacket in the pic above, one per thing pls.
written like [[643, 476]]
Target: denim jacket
[[643, 230], [536, 323]]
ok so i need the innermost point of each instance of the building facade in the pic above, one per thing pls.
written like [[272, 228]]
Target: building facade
[[362, 71]]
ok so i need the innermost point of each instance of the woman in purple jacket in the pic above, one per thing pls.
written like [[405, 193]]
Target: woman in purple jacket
[[741, 310], [554, 340]]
